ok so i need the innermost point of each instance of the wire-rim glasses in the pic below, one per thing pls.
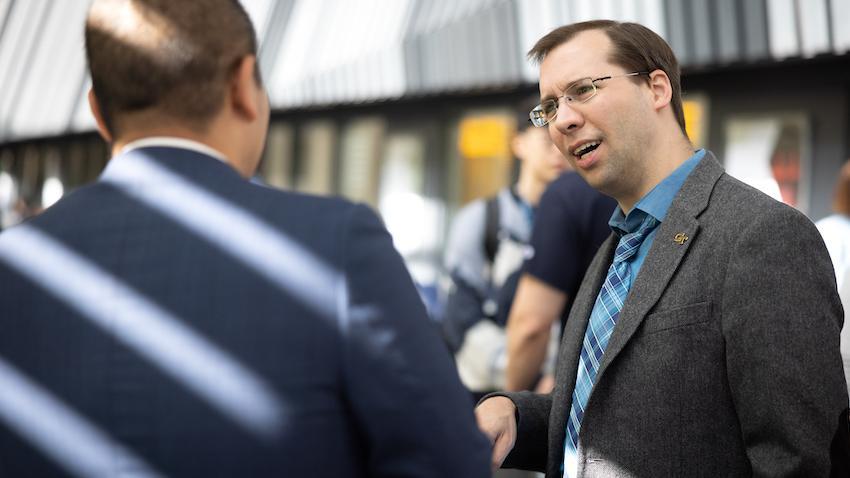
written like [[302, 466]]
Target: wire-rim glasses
[[578, 91]]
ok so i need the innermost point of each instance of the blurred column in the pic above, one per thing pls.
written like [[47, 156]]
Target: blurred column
[[277, 163], [783, 28], [318, 140], [52, 187], [8, 189], [359, 165], [839, 13]]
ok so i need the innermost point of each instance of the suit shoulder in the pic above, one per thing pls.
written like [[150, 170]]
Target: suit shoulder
[[296, 207], [301, 199], [740, 212], [83, 198], [748, 202], [323, 224]]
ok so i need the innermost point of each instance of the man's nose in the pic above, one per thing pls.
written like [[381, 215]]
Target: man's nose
[[568, 118]]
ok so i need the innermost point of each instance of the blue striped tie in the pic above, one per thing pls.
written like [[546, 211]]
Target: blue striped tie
[[604, 317]]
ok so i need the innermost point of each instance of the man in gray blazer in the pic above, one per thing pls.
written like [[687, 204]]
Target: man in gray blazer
[[704, 338]]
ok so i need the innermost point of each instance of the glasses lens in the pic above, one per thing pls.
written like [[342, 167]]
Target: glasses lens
[[581, 90], [543, 113], [537, 116]]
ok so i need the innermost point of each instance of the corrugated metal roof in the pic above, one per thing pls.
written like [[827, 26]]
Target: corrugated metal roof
[[326, 52]]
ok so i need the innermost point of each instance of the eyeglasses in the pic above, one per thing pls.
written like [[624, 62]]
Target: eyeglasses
[[578, 91]]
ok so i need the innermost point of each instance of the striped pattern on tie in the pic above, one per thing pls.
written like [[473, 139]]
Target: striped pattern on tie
[[604, 317]]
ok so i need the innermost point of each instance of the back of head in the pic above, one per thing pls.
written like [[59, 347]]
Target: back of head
[[540, 162], [635, 48], [841, 201], [522, 110], [168, 58]]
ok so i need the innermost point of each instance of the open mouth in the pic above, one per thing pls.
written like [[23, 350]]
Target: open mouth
[[586, 148]]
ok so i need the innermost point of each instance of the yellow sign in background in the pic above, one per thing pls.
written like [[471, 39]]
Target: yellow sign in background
[[695, 108], [484, 146]]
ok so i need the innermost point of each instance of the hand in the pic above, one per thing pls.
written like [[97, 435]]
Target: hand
[[497, 419]]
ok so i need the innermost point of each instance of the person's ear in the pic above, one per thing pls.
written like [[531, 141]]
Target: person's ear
[[518, 145], [661, 88], [244, 89], [94, 106]]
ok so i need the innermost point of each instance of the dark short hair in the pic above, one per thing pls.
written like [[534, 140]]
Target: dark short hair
[[635, 48], [173, 57], [522, 110], [841, 200]]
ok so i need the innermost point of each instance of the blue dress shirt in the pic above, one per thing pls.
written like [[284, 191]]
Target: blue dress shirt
[[655, 203]]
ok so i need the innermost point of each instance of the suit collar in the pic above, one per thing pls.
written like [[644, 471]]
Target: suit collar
[[656, 202], [693, 198], [174, 142], [190, 163]]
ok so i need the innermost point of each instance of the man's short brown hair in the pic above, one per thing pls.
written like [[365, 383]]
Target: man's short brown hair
[[635, 48], [173, 57]]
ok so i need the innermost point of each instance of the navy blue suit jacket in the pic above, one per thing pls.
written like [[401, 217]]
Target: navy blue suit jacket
[[175, 319]]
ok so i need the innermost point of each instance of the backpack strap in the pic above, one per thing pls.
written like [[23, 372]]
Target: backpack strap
[[491, 228]]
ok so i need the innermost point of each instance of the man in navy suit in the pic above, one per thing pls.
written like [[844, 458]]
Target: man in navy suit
[[173, 319]]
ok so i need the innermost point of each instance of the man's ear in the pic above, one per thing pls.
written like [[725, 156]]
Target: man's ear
[[94, 106], [244, 89], [662, 90], [517, 145]]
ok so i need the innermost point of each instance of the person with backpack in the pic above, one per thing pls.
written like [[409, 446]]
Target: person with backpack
[[485, 250]]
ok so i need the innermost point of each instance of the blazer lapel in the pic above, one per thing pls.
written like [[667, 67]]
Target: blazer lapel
[[576, 323], [666, 254], [571, 343]]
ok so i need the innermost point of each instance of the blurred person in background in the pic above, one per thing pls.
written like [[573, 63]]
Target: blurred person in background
[[485, 248], [571, 223], [704, 339], [835, 230], [174, 319]]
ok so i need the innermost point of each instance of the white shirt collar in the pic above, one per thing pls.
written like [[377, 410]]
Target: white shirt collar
[[174, 142]]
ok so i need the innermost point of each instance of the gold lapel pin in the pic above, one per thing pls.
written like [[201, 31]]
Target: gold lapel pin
[[680, 238]]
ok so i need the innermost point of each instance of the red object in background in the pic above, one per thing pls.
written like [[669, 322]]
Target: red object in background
[[785, 167]]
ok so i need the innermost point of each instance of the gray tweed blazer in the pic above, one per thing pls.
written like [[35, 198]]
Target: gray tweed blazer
[[725, 360]]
